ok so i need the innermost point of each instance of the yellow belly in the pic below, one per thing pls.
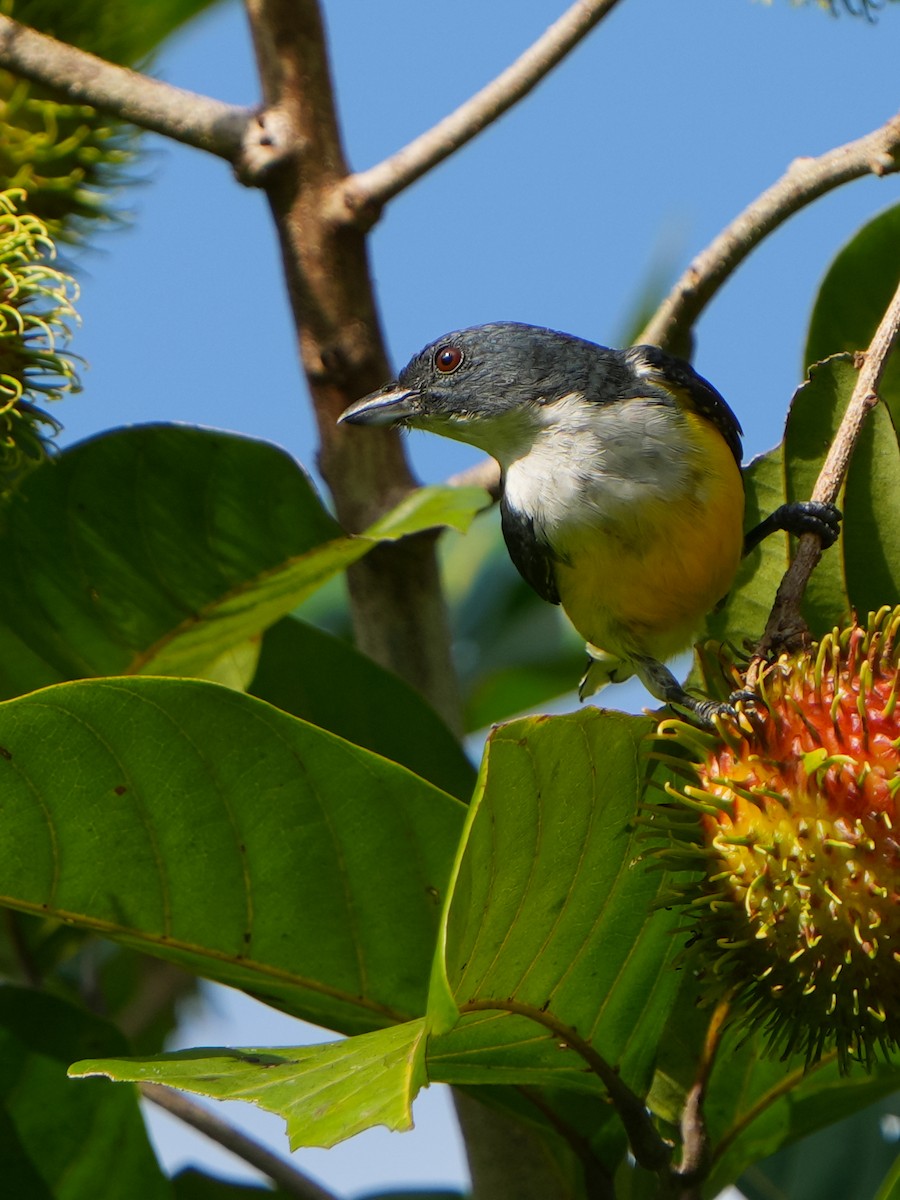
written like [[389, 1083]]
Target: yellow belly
[[645, 586]]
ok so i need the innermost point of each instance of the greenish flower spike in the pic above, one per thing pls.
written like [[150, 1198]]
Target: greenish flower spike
[[36, 308]]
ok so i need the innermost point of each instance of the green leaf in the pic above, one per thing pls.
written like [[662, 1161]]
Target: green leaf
[[819, 1166], [318, 677], [208, 828], [430, 507], [871, 541], [816, 412], [756, 1105], [742, 618], [57, 1142], [862, 571], [325, 1093], [163, 549], [853, 296], [550, 925]]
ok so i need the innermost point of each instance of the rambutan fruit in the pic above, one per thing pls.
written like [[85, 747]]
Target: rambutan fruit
[[792, 816]]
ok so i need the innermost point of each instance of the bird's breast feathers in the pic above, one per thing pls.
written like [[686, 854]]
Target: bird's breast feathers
[[640, 507], [604, 465]]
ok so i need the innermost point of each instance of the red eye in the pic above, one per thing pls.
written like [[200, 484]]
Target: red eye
[[447, 359]]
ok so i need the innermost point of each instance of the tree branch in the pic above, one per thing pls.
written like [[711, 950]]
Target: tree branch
[[288, 1178], [85, 79], [358, 198], [785, 624], [878, 153], [399, 616]]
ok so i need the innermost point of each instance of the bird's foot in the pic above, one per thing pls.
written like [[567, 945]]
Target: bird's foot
[[660, 682], [799, 517]]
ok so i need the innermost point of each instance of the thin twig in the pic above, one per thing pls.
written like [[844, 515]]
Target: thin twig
[[785, 624], [878, 153], [288, 1178], [363, 194], [85, 79]]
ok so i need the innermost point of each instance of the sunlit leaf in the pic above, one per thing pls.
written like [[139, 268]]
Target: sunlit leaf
[[551, 925], [208, 828], [325, 1093]]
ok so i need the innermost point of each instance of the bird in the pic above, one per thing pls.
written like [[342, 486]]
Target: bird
[[622, 497]]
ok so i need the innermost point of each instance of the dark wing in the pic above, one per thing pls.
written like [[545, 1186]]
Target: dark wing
[[675, 375], [531, 556]]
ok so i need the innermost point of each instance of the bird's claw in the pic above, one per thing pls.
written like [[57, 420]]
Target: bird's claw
[[813, 516]]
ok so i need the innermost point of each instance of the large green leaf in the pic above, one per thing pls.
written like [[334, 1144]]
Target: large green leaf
[[210, 829], [816, 412], [59, 1142], [325, 1093], [789, 472], [161, 549], [742, 618], [755, 1105], [854, 295], [322, 679], [550, 934], [871, 540]]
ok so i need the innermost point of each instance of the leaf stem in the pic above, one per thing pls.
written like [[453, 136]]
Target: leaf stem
[[362, 194], [650, 1150], [292, 1181], [785, 625]]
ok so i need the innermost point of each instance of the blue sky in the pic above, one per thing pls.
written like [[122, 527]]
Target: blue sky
[[630, 158]]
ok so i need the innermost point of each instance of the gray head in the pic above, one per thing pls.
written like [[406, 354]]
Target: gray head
[[481, 384], [496, 386]]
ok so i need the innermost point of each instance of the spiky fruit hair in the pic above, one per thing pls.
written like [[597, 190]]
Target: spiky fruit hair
[[36, 309], [792, 817]]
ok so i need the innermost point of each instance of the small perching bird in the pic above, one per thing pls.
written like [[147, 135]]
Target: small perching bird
[[622, 496]]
